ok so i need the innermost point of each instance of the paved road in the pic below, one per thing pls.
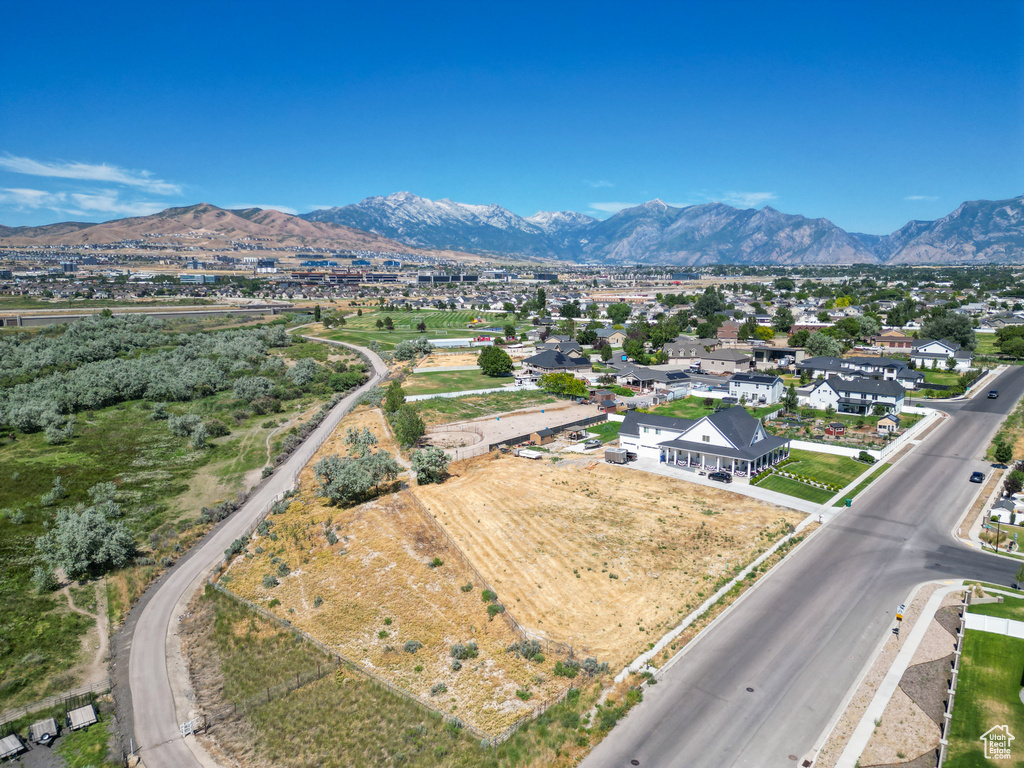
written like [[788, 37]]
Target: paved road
[[763, 684], [155, 719]]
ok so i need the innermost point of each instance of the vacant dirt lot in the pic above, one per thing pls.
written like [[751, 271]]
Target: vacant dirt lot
[[597, 556], [496, 429], [447, 360]]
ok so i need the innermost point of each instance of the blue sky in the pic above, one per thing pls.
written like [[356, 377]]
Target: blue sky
[[869, 114]]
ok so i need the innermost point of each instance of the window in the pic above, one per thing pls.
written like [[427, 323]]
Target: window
[[706, 438]]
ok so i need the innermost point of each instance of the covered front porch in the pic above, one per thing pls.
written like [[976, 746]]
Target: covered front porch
[[716, 462]]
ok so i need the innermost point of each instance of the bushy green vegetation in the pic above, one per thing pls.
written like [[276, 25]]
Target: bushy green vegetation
[[123, 475]]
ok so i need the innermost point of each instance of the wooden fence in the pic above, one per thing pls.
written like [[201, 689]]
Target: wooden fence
[[10, 715]]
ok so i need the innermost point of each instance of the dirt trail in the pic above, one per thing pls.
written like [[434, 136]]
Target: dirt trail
[[96, 641]]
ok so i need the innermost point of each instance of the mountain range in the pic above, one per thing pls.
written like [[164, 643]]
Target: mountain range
[[982, 231], [202, 225], [977, 232]]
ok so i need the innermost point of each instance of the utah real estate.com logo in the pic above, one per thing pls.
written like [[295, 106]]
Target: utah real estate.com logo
[[997, 743]]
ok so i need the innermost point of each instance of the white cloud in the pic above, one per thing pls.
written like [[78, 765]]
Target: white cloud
[[32, 199], [748, 199], [85, 171], [612, 207], [600, 184], [110, 202], [281, 208], [928, 198]]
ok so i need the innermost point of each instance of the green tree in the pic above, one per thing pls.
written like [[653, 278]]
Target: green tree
[[316, 314], [618, 313], [249, 388], [389, 324], [952, 327], [783, 319], [790, 401], [634, 348], [342, 480], [84, 542], [430, 465], [571, 310], [799, 338], [763, 333], [407, 425], [710, 303], [606, 352], [820, 344], [379, 324], [421, 326], [395, 397], [562, 384], [510, 331], [1004, 454], [494, 361], [586, 337]]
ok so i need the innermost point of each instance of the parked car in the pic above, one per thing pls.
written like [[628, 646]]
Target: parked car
[[630, 456], [993, 394], [721, 477], [592, 444], [977, 477]]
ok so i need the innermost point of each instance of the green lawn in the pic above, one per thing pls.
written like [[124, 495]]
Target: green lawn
[[986, 345], [451, 381], [987, 695], [948, 378], [605, 431], [440, 324], [686, 408], [1010, 608], [795, 488], [826, 467], [863, 484]]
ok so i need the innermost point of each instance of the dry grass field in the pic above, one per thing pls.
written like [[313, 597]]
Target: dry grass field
[[377, 591], [449, 359], [600, 557]]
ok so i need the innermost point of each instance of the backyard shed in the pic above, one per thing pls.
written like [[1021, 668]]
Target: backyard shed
[[835, 429], [43, 731], [82, 717], [888, 423], [542, 436]]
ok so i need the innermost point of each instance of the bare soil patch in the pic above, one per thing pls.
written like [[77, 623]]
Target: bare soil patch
[[927, 684], [903, 726], [601, 558], [445, 361]]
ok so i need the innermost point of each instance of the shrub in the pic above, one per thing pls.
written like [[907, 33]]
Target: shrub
[[866, 457], [274, 603], [466, 587], [411, 646], [318, 601], [216, 428], [456, 665], [494, 609], [591, 667], [524, 694], [283, 569], [269, 581], [438, 688], [488, 596], [236, 548], [382, 634], [568, 668], [527, 649], [467, 651], [437, 562]]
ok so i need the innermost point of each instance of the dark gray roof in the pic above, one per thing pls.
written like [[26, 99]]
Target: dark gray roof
[[865, 386], [952, 345], [643, 373], [549, 358], [726, 354], [604, 333], [736, 424], [631, 423], [755, 378]]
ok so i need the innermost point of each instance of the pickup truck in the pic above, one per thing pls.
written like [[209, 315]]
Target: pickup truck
[[590, 444]]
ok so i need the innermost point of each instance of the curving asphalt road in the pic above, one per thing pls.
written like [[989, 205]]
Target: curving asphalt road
[[156, 723], [762, 685]]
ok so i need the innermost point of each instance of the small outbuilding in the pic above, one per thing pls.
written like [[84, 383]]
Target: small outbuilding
[[835, 429], [542, 436], [43, 731], [82, 717], [888, 424]]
